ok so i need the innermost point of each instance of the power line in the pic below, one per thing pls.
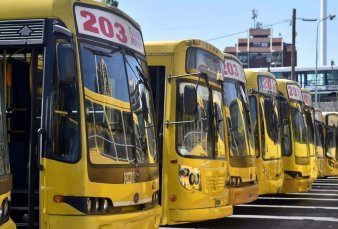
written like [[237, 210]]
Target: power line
[[245, 31]]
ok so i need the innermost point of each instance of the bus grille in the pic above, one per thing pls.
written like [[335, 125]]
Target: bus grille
[[21, 32], [214, 184]]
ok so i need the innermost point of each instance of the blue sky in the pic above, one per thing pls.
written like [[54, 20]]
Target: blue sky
[[205, 20]]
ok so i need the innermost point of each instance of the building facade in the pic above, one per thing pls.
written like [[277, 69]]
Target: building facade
[[260, 49]]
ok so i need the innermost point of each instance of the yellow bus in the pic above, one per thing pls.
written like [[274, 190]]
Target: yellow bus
[[263, 97], [186, 80], [5, 173], [80, 117], [296, 160], [319, 137], [309, 114], [240, 146], [330, 120]]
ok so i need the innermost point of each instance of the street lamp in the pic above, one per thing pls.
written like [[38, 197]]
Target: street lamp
[[331, 16]]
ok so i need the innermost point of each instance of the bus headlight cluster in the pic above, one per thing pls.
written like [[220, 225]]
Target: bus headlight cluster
[[331, 164], [235, 181], [4, 210], [190, 178], [155, 197], [98, 205], [294, 174]]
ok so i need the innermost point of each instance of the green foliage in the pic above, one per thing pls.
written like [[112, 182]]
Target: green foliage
[[111, 2]]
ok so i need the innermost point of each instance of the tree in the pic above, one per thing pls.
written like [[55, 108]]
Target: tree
[[111, 2]]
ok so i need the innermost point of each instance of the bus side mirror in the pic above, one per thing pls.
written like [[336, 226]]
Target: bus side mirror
[[65, 63], [268, 108], [145, 110], [284, 110], [189, 100]]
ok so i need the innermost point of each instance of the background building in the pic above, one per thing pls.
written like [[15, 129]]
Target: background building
[[260, 49]]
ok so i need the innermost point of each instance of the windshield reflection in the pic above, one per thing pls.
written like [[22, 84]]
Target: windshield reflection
[[236, 99], [120, 124]]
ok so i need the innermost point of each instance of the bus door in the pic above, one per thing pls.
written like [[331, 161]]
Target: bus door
[[58, 136], [23, 78]]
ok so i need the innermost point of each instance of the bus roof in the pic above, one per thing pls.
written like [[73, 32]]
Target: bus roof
[[230, 56], [262, 81], [290, 89], [41, 9], [158, 47]]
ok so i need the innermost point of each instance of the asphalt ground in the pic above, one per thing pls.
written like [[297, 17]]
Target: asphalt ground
[[316, 209]]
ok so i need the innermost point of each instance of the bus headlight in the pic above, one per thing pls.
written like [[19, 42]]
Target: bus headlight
[[331, 164], [235, 181], [197, 178], [105, 205], [5, 207], [89, 204], [192, 179], [155, 197]]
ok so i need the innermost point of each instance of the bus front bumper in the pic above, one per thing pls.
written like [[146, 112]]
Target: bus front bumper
[[200, 214], [242, 195], [296, 185], [270, 186], [144, 219]]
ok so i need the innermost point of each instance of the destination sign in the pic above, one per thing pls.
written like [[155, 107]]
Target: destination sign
[[307, 99], [294, 92], [108, 26], [267, 84], [234, 70], [318, 116]]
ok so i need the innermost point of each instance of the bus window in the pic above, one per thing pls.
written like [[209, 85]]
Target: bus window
[[193, 137], [330, 141], [65, 121], [299, 130], [319, 138], [286, 138], [254, 119], [237, 128]]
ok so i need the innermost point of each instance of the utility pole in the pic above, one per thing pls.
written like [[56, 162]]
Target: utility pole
[[293, 47]]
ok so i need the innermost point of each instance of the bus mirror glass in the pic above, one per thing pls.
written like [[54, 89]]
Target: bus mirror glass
[[284, 110], [189, 100], [144, 107], [65, 63], [268, 109]]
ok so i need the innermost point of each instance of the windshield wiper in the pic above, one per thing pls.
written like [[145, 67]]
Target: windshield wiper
[[140, 73]]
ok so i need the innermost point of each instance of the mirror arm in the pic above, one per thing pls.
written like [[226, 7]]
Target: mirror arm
[[167, 123]]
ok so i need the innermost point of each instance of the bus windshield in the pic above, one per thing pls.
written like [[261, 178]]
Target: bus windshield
[[331, 142], [194, 136], [236, 99], [119, 115], [299, 130], [310, 128], [319, 133], [204, 61]]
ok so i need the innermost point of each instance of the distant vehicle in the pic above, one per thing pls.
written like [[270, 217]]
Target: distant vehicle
[[327, 79], [296, 160], [264, 110], [243, 184]]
